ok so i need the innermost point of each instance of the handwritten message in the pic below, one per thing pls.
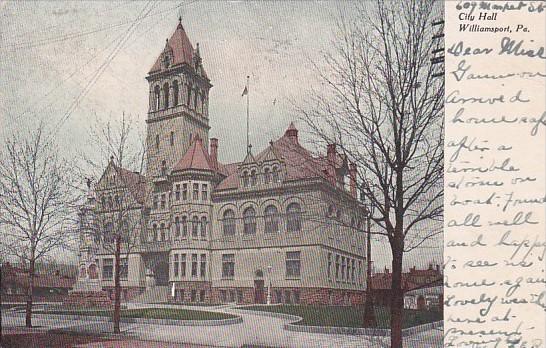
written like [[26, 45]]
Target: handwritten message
[[495, 174]]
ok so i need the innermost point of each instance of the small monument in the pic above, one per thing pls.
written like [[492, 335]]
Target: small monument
[[87, 291]]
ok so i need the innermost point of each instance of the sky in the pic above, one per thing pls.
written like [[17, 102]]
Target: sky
[[70, 64]]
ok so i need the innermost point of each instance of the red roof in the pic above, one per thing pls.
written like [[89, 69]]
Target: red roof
[[181, 48], [19, 276], [196, 157], [410, 280], [136, 183], [299, 162]]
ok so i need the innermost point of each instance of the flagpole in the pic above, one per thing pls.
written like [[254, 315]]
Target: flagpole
[[247, 115]]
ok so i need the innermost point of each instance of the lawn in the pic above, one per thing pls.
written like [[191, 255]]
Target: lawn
[[347, 316], [149, 313]]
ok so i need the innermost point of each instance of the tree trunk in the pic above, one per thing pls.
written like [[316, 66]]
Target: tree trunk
[[397, 299], [28, 315], [117, 286]]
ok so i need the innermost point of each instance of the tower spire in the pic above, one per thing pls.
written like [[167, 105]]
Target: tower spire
[[180, 23], [245, 92]]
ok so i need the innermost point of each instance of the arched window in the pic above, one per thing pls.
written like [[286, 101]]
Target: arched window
[[271, 216], [249, 220], [275, 175], [184, 227], [109, 232], [165, 96], [163, 236], [331, 210], [157, 98], [188, 99], [194, 226], [175, 93], [202, 103], [163, 168], [176, 227], [195, 97], [293, 217], [267, 176], [253, 178], [203, 227], [245, 179], [154, 233], [229, 222]]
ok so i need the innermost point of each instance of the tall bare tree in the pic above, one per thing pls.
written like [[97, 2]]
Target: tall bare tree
[[119, 217], [382, 104], [37, 202]]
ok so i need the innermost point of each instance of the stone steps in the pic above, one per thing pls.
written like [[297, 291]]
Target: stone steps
[[156, 294]]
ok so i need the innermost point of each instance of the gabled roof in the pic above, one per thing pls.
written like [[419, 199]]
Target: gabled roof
[[196, 157], [268, 154], [298, 161], [134, 182], [182, 51], [249, 159]]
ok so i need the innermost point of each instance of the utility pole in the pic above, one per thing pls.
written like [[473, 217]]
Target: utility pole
[[369, 311]]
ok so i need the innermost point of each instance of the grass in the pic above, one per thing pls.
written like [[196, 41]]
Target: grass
[[199, 304], [149, 313], [347, 316]]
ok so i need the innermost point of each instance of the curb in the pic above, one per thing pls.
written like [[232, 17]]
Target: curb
[[339, 330], [176, 322], [361, 331], [290, 317]]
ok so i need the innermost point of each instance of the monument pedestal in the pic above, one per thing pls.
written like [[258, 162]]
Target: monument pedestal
[[88, 293]]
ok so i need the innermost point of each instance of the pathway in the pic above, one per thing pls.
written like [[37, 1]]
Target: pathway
[[255, 330]]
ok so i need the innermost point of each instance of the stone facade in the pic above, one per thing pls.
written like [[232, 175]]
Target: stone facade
[[283, 218]]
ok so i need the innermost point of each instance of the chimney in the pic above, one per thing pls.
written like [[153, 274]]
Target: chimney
[[353, 175], [331, 158], [214, 152], [292, 133]]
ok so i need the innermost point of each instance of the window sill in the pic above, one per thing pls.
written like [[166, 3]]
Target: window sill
[[228, 278], [292, 278]]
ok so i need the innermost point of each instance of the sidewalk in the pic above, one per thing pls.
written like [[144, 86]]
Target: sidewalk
[[255, 330]]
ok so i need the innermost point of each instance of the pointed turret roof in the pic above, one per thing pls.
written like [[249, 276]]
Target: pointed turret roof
[[196, 157], [182, 50]]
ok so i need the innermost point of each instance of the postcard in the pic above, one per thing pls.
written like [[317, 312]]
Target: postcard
[[273, 174]]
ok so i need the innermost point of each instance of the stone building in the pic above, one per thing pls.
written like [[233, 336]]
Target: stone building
[[282, 225]]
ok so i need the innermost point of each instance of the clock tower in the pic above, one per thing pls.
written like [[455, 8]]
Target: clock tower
[[178, 104]]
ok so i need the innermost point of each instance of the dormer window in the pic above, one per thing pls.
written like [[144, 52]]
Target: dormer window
[[166, 60], [275, 175], [165, 96], [267, 176], [253, 178], [245, 179]]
